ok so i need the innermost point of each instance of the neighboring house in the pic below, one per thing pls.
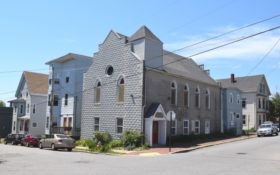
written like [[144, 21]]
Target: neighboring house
[[65, 83], [6, 117], [232, 110], [29, 107], [254, 98], [133, 83]]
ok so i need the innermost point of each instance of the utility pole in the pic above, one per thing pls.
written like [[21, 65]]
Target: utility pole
[[51, 101]]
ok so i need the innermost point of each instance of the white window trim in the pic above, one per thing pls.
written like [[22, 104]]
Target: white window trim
[[197, 127], [95, 90], [94, 124], [184, 127], [175, 127], [118, 125]]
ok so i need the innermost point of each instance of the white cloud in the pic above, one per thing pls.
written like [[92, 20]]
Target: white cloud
[[252, 48]]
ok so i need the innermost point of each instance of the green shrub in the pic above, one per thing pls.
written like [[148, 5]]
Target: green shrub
[[116, 143], [132, 139], [83, 142], [102, 138]]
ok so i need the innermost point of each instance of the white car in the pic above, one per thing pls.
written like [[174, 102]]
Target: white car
[[267, 129]]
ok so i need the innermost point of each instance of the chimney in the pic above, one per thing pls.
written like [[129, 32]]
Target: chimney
[[232, 78]]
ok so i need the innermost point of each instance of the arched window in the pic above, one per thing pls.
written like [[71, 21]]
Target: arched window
[[121, 90], [173, 89], [207, 99], [197, 97], [97, 92], [186, 95]]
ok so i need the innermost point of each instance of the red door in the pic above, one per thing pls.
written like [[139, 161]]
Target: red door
[[155, 132]]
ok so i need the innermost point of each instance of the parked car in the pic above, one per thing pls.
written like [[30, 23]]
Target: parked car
[[14, 139], [267, 129], [57, 141], [30, 140], [277, 126]]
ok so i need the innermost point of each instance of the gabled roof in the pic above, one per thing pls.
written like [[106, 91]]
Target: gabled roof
[[152, 109], [37, 83], [245, 84], [144, 32], [69, 57], [186, 67]]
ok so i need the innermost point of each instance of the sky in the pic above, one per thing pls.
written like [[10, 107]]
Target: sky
[[34, 32]]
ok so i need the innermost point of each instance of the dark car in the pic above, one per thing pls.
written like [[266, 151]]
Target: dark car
[[30, 140], [14, 139]]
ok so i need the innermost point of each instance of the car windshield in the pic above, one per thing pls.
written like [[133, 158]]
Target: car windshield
[[265, 126], [62, 136]]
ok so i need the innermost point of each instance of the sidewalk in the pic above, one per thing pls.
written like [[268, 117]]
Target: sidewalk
[[181, 149]]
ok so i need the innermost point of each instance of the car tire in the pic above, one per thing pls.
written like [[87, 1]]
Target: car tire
[[259, 136], [40, 146], [69, 149], [53, 147]]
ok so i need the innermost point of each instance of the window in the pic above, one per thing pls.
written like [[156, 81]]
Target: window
[[15, 108], [263, 103], [243, 102], [21, 125], [14, 127], [237, 115], [28, 106], [244, 119], [34, 125], [173, 93], [96, 123], [186, 96], [26, 94], [173, 127], [121, 90], [260, 119], [109, 70], [21, 109], [231, 98], [238, 99], [55, 100], [48, 122], [196, 126], [207, 99], [49, 100], [34, 110], [97, 92], [186, 127], [259, 103], [66, 100], [50, 81], [197, 97], [119, 125], [56, 81], [67, 80]]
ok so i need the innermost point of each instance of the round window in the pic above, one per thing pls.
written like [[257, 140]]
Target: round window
[[109, 70]]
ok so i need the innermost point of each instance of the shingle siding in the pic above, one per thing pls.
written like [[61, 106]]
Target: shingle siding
[[115, 52]]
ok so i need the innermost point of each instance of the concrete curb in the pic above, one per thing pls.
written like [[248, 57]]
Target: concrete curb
[[212, 144]]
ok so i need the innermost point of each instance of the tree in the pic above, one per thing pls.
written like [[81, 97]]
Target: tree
[[275, 106], [2, 104]]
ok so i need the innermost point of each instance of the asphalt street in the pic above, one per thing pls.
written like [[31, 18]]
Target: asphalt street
[[257, 156]]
